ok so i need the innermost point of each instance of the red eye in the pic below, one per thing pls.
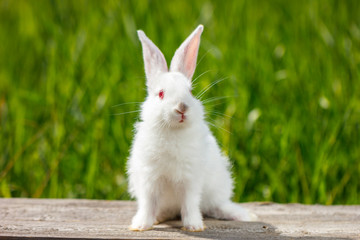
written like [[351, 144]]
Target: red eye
[[161, 94]]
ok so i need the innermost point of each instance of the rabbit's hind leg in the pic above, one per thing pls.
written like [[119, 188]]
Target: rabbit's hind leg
[[231, 211]]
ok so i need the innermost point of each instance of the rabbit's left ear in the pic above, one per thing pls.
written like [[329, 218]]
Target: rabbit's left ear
[[154, 60], [184, 60]]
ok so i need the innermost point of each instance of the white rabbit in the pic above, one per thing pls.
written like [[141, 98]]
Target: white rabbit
[[176, 166]]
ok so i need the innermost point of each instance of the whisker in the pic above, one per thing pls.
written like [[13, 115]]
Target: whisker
[[123, 113], [127, 103], [213, 99], [223, 129], [193, 81], [221, 114], [210, 86], [160, 124], [207, 116], [202, 57], [215, 104]]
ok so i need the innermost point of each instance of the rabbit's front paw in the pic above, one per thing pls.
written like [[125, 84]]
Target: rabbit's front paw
[[140, 227], [141, 223], [193, 224], [194, 228]]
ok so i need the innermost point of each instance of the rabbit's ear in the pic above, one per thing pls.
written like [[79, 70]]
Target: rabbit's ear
[[184, 60], [154, 60]]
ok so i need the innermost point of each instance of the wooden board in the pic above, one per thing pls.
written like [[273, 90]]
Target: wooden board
[[101, 219]]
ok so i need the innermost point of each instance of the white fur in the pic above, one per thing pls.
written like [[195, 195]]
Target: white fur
[[177, 168]]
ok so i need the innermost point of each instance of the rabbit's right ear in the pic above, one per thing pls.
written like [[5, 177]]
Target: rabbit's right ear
[[184, 60], [154, 60]]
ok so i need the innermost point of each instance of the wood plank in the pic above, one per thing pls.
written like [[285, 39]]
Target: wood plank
[[101, 219]]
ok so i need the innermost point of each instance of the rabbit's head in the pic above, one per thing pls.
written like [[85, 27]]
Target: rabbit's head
[[169, 101]]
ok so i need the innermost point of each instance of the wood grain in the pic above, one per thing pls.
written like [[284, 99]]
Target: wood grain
[[101, 219]]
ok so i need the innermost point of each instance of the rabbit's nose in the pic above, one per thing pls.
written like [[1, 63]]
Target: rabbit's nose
[[182, 107]]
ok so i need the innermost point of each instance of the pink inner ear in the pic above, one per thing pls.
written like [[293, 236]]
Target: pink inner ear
[[184, 60], [191, 56], [154, 60]]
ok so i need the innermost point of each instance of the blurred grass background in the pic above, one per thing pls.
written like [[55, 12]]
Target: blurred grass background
[[288, 110]]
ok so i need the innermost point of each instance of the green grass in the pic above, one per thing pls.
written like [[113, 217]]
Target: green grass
[[292, 113]]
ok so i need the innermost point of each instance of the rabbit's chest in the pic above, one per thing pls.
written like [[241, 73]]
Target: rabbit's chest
[[177, 151], [177, 158]]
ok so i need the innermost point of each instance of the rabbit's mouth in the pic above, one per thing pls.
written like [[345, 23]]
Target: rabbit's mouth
[[183, 117]]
